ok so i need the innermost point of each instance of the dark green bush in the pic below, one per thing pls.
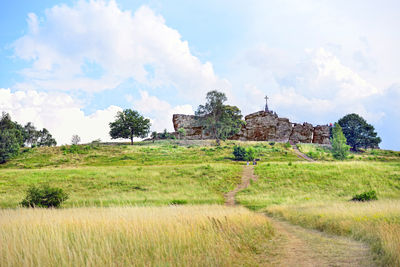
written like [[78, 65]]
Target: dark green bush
[[178, 202], [239, 152], [242, 153], [44, 197], [288, 145], [366, 196]]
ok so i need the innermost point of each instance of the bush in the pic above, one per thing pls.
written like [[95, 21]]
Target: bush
[[239, 152], [44, 197], [242, 153], [288, 145], [178, 202], [366, 196], [250, 154]]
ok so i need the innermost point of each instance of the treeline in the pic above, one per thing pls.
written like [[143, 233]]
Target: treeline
[[13, 136]]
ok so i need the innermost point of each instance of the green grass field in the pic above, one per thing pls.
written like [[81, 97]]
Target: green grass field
[[146, 178]]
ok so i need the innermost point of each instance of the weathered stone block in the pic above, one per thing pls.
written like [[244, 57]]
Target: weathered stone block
[[321, 135]]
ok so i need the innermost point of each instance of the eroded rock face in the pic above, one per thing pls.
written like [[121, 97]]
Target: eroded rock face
[[260, 126], [302, 133], [188, 122], [321, 134]]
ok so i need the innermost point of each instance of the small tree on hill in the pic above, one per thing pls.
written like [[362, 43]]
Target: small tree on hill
[[75, 139], [340, 149], [219, 120], [358, 132], [129, 124]]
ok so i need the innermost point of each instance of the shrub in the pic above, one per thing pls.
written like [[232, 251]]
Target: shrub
[[366, 196], [178, 202], [239, 152], [242, 153], [288, 145], [44, 197], [250, 154]]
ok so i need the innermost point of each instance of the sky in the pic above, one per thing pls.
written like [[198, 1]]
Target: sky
[[70, 66]]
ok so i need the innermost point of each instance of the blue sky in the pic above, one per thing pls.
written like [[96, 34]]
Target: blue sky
[[70, 66]]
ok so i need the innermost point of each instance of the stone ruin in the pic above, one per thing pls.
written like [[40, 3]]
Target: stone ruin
[[260, 126]]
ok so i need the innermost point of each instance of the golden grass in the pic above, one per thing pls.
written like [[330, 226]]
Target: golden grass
[[377, 223], [133, 236]]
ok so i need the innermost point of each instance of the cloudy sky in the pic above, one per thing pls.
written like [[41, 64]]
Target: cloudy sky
[[70, 66]]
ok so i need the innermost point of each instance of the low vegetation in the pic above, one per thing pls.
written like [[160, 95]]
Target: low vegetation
[[44, 197], [366, 196], [134, 236]]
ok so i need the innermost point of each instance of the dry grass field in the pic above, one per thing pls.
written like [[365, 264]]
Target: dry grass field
[[134, 236]]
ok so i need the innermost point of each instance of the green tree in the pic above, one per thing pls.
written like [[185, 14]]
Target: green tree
[[31, 134], [45, 138], [11, 137], [340, 149], [7, 124], [358, 132], [218, 120], [129, 124], [9, 144]]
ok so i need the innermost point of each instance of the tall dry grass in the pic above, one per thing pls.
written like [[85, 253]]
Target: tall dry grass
[[133, 236], [377, 223]]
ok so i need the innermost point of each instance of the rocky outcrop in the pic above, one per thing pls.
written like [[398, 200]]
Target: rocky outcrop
[[188, 122], [260, 126], [321, 135], [302, 133]]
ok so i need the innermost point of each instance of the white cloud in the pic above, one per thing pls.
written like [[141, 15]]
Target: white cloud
[[318, 88], [59, 113], [160, 112], [124, 45]]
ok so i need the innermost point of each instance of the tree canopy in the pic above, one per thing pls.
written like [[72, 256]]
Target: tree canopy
[[358, 132], [218, 120], [129, 124], [13, 136]]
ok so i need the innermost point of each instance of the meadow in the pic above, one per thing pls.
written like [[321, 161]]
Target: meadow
[[146, 174], [160, 203]]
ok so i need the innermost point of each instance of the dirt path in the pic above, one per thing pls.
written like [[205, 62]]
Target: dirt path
[[247, 176], [301, 155], [297, 246]]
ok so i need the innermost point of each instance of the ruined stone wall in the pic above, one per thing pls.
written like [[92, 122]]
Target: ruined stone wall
[[261, 126]]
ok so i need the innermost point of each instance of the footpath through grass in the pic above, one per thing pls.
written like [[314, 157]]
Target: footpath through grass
[[316, 195]]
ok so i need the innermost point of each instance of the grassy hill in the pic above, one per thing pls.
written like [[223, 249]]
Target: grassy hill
[[152, 176]]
